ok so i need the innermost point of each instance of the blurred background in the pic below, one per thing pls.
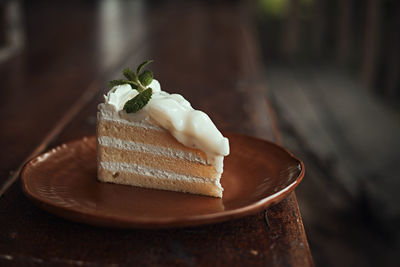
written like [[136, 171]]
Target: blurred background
[[332, 72], [330, 69]]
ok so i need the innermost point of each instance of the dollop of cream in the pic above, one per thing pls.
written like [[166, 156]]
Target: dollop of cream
[[193, 128]]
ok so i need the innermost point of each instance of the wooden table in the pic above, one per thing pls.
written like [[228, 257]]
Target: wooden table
[[50, 89]]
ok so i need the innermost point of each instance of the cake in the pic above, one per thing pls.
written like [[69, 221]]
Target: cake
[[149, 138]]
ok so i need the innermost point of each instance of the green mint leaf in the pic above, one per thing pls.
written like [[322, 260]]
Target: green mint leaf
[[129, 74], [117, 82], [139, 101], [146, 77], [141, 66]]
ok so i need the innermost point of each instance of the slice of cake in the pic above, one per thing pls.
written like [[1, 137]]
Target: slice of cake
[[150, 138]]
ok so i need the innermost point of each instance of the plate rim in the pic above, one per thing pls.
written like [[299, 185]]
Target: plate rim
[[165, 222]]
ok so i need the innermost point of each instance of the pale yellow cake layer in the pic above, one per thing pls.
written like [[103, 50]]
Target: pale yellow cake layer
[[181, 166], [126, 178], [142, 135]]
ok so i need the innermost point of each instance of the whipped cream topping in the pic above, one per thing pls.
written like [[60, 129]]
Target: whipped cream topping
[[193, 128]]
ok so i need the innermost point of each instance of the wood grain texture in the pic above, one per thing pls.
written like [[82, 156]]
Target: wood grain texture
[[45, 81], [207, 53]]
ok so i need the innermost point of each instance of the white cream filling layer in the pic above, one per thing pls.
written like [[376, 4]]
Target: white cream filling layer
[[146, 148], [108, 114], [156, 173]]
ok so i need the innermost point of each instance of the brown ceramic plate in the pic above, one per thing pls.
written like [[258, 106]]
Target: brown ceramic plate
[[63, 181]]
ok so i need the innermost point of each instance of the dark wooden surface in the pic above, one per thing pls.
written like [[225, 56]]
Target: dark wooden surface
[[49, 94]]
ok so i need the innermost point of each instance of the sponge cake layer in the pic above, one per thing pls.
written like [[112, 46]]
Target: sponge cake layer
[[138, 155]]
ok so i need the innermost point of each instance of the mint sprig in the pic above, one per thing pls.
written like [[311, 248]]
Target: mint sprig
[[138, 81], [139, 101]]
